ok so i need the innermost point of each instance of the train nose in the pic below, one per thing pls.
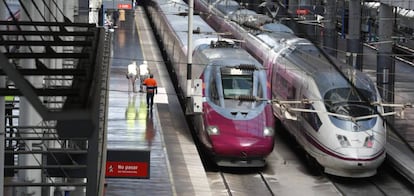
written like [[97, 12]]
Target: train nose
[[362, 154]]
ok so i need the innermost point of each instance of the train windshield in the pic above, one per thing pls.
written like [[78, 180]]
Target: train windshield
[[237, 85], [348, 102]]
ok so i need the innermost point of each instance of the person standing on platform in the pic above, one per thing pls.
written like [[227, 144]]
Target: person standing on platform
[[132, 76], [108, 23], [115, 17], [121, 18], [143, 74], [151, 86]]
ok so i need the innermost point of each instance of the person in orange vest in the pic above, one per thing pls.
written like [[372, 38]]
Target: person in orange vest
[[151, 87]]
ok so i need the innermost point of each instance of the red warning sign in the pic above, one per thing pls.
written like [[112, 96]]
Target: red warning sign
[[128, 163], [302, 11], [125, 6], [127, 169]]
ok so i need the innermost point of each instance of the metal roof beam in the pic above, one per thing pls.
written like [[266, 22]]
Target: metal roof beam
[[48, 24], [42, 92], [49, 72], [402, 4], [50, 55], [45, 43], [49, 33]]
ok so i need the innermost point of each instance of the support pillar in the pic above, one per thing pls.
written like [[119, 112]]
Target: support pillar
[[2, 136], [354, 44], [3, 191], [94, 8], [68, 10], [82, 11], [385, 62], [310, 28], [330, 35], [3, 15], [293, 5], [28, 116], [2, 117]]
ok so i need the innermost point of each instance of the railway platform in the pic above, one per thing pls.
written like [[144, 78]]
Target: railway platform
[[175, 167]]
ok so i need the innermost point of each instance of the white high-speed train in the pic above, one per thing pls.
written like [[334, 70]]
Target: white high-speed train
[[331, 109]]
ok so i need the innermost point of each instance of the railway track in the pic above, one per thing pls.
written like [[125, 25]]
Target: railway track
[[404, 53], [386, 183], [286, 174], [401, 53], [240, 183], [237, 182]]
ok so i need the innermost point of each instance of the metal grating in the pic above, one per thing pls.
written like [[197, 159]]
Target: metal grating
[[71, 60]]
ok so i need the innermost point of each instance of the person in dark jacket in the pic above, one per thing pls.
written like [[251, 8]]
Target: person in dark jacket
[[115, 17]]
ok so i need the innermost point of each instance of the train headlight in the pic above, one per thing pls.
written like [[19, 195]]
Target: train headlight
[[369, 141], [343, 141], [268, 131], [212, 130]]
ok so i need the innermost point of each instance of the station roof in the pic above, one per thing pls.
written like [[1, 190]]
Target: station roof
[[408, 5]]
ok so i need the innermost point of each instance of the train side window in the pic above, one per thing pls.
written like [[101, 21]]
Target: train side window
[[214, 96], [312, 117], [260, 88]]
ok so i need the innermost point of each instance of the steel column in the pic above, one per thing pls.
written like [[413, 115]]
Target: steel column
[[354, 44], [385, 62], [330, 34]]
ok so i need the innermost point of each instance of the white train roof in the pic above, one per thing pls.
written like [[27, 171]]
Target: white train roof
[[179, 23], [306, 58], [230, 57], [277, 27]]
